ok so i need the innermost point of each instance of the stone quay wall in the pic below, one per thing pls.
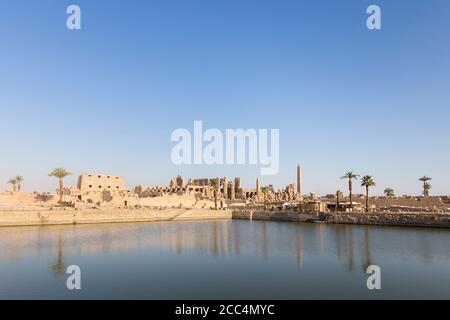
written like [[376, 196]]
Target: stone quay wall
[[58, 217], [439, 220], [70, 216], [276, 215]]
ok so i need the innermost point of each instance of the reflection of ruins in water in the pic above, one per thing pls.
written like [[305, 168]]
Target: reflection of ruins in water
[[266, 240], [299, 249], [59, 267]]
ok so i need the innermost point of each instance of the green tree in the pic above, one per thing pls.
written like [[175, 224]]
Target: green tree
[[19, 180], [389, 192], [426, 185], [14, 183], [367, 181], [60, 173], [350, 175], [44, 197]]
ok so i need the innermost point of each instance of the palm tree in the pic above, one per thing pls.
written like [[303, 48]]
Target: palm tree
[[426, 185], [60, 173], [350, 175], [14, 183], [389, 192], [367, 181], [18, 179], [339, 196]]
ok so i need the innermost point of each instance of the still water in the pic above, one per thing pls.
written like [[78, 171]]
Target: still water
[[224, 260]]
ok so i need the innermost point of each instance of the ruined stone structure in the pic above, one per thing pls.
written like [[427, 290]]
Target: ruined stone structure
[[233, 190], [225, 188], [108, 191], [89, 182], [203, 190], [406, 203], [177, 182]]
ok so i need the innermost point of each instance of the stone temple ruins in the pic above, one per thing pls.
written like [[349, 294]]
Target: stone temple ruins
[[102, 190], [97, 191]]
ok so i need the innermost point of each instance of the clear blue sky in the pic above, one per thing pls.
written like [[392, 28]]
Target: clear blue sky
[[106, 98]]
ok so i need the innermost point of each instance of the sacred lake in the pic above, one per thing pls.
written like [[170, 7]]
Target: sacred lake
[[224, 259]]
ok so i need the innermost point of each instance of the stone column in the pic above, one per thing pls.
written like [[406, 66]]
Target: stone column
[[238, 183], [225, 188], [257, 187], [218, 186], [232, 195]]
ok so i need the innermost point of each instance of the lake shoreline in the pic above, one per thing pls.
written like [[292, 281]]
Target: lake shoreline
[[68, 217], [398, 219]]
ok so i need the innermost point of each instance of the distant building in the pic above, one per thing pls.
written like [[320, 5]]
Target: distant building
[[99, 182]]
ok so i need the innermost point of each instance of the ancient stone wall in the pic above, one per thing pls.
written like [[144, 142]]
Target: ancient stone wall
[[393, 219], [373, 218], [418, 202], [71, 216], [99, 182]]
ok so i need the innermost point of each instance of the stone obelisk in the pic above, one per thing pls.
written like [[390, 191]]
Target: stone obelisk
[[299, 180], [257, 187]]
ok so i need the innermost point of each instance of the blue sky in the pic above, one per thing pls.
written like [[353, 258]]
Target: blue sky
[[106, 98]]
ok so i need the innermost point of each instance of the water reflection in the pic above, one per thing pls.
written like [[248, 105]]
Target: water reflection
[[366, 248], [225, 238], [350, 254], [299, 249], [312, 250], [59, 267]]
